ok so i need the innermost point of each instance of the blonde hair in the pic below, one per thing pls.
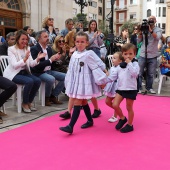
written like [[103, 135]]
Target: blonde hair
[[44, 22], [55, 44]]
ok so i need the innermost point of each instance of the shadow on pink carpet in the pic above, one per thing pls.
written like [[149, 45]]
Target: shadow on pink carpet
[[42, 146]]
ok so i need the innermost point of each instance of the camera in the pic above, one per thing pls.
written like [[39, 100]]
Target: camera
[[145, 25]]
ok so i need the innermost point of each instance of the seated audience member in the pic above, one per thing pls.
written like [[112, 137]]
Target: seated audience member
[[59, 47], [43, 69], [32, 40], [10, 40], [18, 70], [122, 39], [165, 59], [68, 27], [2, 39], [9, 89], [48, 25]]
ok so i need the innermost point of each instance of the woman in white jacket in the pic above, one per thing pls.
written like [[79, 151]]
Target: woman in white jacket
[[18, 70]]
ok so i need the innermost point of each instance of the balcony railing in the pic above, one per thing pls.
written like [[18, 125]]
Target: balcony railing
[[118, 21], [117, 8]]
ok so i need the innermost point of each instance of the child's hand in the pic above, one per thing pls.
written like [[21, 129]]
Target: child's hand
[[127, 60]]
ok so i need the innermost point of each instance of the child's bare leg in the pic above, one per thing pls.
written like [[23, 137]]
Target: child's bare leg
[[108, 101], [116, 106], [97, 111], [129, 107], [129, 126]]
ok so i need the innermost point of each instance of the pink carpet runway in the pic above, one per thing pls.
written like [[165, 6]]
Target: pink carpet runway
[[42, 146]]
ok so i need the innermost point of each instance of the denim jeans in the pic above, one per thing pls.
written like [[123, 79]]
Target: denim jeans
[[9, 89], [96, 50], [31, 85], [150, 66], [49, 77]]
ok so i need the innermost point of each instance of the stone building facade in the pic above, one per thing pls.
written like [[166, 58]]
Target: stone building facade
[[14, 14]]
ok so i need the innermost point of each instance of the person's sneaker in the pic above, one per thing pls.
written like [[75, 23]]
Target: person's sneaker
[[121, 123], [96, 113], [113, 119], [151, 91], [1, 121], [65, 115], [127, 129], [67, 129], [140, 91]]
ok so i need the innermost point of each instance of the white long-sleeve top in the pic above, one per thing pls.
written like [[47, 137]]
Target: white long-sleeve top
[[126, 77]]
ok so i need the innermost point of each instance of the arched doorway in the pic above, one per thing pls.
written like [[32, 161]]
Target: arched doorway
[[10, 16]]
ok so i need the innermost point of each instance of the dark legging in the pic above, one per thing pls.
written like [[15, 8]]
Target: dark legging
[[8, 88]]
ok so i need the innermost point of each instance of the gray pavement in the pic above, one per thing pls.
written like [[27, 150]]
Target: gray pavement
[[14, 119]]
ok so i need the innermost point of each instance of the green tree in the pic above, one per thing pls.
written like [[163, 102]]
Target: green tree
[[129, 25], [82, 18], [104, 28]]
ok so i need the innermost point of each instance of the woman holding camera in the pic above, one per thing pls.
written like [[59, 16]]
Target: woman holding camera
[[95, 39]]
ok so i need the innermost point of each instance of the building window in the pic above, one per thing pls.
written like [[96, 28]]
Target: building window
[[133, 2], [161, 1], [100, 10], [164, 12], [11, 4], [108, 4], [121, 4], [121, 17], [133, 16], [100, 1], [163, 28], [159, 25], [149, 13], [159, 12], [93, 4]]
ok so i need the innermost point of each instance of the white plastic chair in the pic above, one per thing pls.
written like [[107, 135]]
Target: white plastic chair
[[161, 76], [110, 60], [3, 65]]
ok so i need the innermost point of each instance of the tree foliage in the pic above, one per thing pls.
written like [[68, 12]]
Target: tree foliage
[[129, 25], [82, 18]]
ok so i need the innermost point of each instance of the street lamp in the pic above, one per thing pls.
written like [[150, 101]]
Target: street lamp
[[82, 4]]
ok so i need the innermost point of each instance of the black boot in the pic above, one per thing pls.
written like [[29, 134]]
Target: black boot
[[67, 129], [96, 113], [65, 115], [87, 124]]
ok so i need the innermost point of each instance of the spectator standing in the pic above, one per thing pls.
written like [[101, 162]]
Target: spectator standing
[[154, 35], [68, 27], [32, 40], [48, 25], [95, 39]]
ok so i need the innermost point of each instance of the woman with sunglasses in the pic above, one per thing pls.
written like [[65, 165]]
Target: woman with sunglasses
[[48, 25], [62, 63], [133, 39]]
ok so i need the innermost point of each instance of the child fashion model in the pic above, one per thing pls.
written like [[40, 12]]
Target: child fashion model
[[126, 76], [111, 87], [80, 81]]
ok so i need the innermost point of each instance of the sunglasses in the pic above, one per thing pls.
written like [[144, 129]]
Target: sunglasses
[[135, 28], [51, 19], [61, 41]]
